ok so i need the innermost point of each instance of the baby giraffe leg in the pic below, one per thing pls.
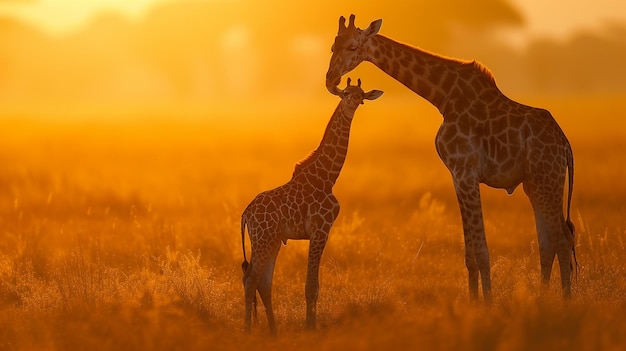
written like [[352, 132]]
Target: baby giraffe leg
[[316, 248], [251, 280], [265, 288]]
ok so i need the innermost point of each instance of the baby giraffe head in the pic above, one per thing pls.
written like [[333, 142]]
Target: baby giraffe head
[[349, 49], [353, 95]]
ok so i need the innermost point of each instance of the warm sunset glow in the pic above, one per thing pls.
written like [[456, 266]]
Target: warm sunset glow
[[551, 18], [134, 132], [559, 18], [59, 17], [108, 55]]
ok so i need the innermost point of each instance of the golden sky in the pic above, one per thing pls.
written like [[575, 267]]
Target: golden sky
[[559, 18], [556, 18], [76, 53], [63, 16]]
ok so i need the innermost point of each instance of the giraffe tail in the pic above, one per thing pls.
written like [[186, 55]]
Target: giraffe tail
[[568, 220], [244, 264]]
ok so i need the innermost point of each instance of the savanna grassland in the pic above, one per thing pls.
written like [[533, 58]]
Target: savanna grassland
[[124, 235]]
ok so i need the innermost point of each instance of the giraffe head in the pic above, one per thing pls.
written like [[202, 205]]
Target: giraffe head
[[353, 95], [349, 49]]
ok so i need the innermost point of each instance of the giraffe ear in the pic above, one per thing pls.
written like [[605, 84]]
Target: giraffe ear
[[373, 28], [372, 94]]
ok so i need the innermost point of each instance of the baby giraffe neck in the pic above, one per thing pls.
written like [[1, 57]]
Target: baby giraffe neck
[[324, 164]]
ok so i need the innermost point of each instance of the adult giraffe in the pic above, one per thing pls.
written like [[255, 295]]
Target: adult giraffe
[[485, 138]]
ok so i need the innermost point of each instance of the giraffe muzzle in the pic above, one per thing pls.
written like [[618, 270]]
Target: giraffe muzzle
[[332, 83]]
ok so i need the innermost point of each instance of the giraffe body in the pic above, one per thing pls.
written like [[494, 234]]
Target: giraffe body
[[485, 137], [302, 209]]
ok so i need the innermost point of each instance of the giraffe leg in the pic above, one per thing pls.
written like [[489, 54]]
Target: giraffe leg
[[564, 254], [555, 239], [249, 288], [476, 251], [251, 280], [547, 249], [316, 247], [265, 288]]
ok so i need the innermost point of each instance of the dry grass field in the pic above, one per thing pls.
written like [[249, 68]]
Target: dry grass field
[[124, 235]]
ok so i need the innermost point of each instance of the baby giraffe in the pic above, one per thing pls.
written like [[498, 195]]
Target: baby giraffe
[[302, 209]]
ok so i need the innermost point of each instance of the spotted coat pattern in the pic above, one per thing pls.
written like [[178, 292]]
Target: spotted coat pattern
[[302, 209], [485, 138]]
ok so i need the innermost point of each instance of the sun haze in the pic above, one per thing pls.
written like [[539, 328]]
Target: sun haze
[[57, 17], [133, 133], [109, 55]]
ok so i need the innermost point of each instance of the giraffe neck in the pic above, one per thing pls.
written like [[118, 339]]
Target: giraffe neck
[[324, 163], [438, 79]]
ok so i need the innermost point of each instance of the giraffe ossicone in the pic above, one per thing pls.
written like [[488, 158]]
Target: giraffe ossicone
[[302, 209], [485, 138]]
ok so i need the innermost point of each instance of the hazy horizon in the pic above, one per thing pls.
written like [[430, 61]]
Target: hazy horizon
[[205, 55]]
